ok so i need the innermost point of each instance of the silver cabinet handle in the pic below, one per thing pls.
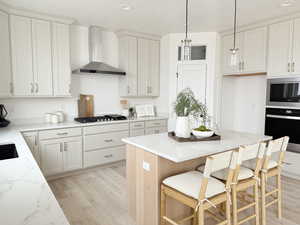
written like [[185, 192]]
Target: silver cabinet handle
[[289, 67], [60, 147], [293, 66], [108, 156], [243, 65], [65, 146], [109, 140], [240, 66], [65, 133], [138, 125], [69, 88], [128, 89], [36, 87], [32, 87]]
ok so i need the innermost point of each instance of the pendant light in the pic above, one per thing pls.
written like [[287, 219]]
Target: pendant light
[[186, 47], [234, 50]]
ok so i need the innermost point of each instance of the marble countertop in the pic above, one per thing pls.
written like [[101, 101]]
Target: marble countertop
[[25, 197], [163, 146]]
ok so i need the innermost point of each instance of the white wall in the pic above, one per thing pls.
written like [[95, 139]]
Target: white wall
[[243, 103], [170, 44]]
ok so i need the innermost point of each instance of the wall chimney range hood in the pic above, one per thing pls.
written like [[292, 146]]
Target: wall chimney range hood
[[96, 65]]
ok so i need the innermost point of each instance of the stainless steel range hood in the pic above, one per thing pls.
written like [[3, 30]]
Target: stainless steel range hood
[[96, 65]]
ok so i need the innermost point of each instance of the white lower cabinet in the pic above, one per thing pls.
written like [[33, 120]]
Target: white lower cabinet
[[148, 127], [291, 167], [137, 132], [61, 155], [31, 139]]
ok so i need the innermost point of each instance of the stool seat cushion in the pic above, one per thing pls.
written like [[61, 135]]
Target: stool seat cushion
[[252, 164], [189, 183], [245, 173]]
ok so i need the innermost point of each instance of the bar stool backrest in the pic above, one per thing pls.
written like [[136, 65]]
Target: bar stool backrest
[[276, 146], [226, 160]]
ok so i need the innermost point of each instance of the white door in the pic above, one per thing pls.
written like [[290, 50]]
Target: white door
[[254, 50], [128, 62], [193, 76], [154, 71], [61, 59], [5, 69], [227, 44], [72, 153], [31, 140], [296, 48], [42, 57], [22, 65], [51, 157], [279, 55], [143, 67]]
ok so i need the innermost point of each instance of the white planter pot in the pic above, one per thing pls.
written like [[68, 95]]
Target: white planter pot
[[183, 127]]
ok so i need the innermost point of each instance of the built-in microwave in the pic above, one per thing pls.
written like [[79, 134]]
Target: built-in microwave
[[283, 92]]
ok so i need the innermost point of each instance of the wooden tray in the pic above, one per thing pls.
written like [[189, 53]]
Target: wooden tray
[[172, 135]]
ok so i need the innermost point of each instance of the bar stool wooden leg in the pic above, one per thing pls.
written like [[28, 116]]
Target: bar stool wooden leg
[[279, 210], [162, 206], [195, 219], [201, 215], [234, 205], [256, 194], [263, 199], [228, 209]]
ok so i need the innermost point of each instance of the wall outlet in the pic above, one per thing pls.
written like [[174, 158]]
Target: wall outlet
[[146, 166]]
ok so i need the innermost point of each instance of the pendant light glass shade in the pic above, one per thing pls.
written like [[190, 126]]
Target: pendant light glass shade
[[186, 44]]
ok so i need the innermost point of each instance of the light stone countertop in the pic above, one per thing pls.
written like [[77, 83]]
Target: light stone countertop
[[166, 147], [25, 197]]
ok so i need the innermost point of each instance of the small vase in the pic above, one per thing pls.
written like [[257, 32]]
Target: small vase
[[183, 127]]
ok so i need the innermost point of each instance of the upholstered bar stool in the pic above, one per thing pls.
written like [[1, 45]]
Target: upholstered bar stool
[[272, 167], [200, 191], [243, 180]]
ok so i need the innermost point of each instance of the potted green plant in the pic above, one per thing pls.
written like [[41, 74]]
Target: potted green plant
[[187, 105]]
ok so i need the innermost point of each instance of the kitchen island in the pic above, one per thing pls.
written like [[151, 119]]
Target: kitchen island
[[152, 158]]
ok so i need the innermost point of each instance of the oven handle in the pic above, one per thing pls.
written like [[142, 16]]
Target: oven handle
[[283, 117]]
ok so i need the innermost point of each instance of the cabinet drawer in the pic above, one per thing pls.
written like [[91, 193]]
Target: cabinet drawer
[[156, 123], [105, 128], [137, 125], [137, 132], [155, 130], [59, 133], [106, 140], [98, 157]]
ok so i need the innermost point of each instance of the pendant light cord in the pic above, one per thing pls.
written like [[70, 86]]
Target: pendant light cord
[[186, 18], [235, 24]]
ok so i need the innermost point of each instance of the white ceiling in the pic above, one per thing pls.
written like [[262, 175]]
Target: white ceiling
[[159, 16]]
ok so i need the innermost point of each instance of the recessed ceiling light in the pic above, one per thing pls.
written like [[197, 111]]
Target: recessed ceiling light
[[286, 3], [126, 7]]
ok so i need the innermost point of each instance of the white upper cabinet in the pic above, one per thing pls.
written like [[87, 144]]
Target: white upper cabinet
[[128, 62], [22, 62], [295, 64], [61, 59], [280, 45], [254, 50], [140, 58], [5, 64], [42, 57], [251, 55]]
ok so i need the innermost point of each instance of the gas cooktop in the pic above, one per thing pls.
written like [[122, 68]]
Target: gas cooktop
[[103, 118]]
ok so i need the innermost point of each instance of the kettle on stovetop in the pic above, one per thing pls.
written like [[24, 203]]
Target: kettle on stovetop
[[3, 114]]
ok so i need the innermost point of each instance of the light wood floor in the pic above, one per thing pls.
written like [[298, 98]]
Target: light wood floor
[[98, 197]]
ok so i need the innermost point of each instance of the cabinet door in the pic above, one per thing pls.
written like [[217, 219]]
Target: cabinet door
[[296, 48], [52, 157], [22, 65], [254, 50], [72, 154], [128, 62], [154, 68], [138, 132], [227, 44], [279, 57], [31, 140], [42, 57], [61, 59], [155, 130], [5, 64], [143, 67]]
